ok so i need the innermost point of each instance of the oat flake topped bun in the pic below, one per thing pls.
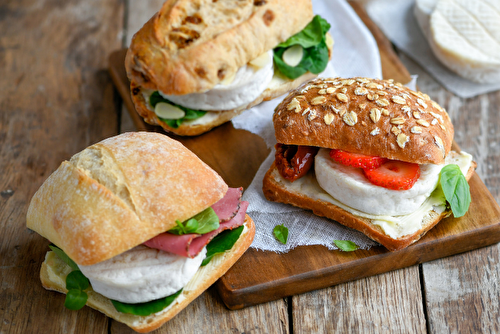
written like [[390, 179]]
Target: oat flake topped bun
[[118, 193], [367, 116]]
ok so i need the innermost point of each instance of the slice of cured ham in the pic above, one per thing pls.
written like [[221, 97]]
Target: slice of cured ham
[[227, 207], [230, 210]]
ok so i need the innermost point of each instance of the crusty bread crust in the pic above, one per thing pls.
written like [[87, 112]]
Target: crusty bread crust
[[275, 190], [190, 46], [367, 116], [135, 185], [53, 276], [186, 129]]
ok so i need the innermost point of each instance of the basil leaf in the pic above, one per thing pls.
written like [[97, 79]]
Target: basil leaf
[[456, 189], [204, 222], [222, 242], [60, 253], [345, 245], [145, 308], [311, 35], [281, 233], [191, 225], [175, 123], [76, 280], [208, 221], [75, 299]]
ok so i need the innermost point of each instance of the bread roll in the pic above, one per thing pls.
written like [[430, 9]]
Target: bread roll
[[135, 186], [367, 116]]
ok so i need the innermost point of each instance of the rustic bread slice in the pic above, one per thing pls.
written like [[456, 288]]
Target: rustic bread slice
[[190, 46], [54, 271], [366, 116], [135, 185], [277, 189]]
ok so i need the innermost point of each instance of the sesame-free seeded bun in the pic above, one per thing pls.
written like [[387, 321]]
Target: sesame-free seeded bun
[[366, 116]]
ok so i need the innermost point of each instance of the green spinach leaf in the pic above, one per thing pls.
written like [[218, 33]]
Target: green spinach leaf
[[146, 308], [63, 256], [204, 222], [311, 35], [175, 123], [281, 233], [316, 54], [77, 280], [75, 299], [345, 245], [222, 242]]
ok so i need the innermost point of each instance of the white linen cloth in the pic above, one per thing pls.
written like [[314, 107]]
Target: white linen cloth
[[355, 53], [398, 23]]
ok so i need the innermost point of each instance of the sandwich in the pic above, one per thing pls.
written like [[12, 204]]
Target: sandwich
[[370, 154], [197, 64], [139, 228]]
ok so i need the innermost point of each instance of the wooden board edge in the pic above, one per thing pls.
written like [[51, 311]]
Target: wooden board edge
[[381, 263]]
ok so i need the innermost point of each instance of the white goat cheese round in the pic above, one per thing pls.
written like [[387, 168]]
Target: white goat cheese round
[[142, 274], [247, 85], [350, 186]]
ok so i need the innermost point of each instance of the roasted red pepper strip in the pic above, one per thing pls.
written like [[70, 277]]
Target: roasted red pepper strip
[[294, 161]]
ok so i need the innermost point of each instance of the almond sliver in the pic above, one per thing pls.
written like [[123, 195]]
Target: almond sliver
[[168, 111], [293, 55]]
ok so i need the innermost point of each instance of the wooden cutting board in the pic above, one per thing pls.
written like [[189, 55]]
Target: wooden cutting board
[[259, 276]]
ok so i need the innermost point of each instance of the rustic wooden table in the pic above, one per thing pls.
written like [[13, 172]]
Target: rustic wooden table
[[56, 98]]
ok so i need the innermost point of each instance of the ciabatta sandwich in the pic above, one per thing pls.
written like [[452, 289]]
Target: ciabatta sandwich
[[197, 64], [370, 154], [142, 219]]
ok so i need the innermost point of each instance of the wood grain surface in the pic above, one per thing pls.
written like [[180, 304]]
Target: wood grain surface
[[56, 98]]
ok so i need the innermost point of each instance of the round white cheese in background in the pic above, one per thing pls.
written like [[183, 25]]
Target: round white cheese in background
[[464, 35], [248, 83], [349, 186], [142, 274]]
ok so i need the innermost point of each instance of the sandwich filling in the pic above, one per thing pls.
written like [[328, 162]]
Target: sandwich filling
[[397, 212], [246, 85], [157, 271]]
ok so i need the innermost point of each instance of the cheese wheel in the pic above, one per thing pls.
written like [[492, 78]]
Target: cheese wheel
[[464, 35]]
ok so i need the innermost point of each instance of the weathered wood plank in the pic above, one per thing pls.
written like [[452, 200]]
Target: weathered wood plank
[[387, 303], [462, 291], [56, 98]]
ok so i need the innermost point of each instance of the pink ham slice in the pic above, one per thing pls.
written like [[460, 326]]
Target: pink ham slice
[[230, 208]]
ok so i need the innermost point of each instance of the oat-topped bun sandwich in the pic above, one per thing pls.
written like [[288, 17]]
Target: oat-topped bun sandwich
[[139, 228], [197, 64], [371, 154]]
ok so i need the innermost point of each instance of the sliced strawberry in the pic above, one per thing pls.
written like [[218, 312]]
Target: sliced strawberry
[[356, 160], [395, 175]]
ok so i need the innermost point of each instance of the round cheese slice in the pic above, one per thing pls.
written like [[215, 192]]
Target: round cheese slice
[[142, 274], [464, 35], [248, 83], [349, 186]]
